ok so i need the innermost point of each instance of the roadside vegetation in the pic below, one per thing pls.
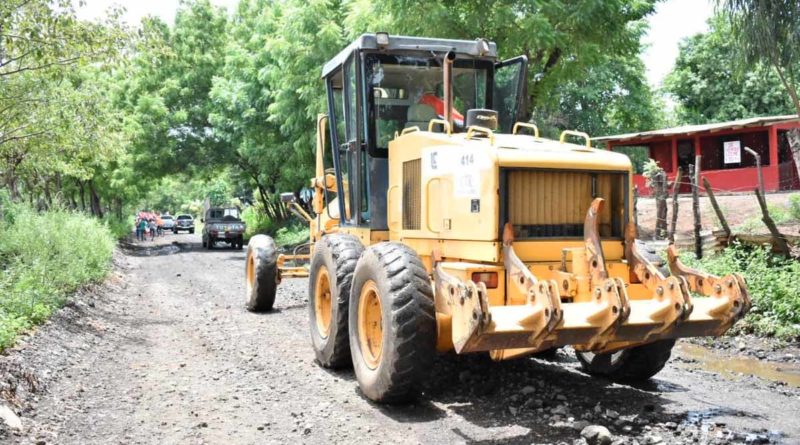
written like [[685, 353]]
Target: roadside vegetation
[[780, 215], [774, 284], [44, 257]]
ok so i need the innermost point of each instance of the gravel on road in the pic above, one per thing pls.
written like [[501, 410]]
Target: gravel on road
[[164, 352]]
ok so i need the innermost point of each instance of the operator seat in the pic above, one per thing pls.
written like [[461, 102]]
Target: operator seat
[[419, 115]]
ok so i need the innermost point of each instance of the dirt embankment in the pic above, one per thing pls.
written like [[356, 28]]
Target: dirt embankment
[[165, 353]]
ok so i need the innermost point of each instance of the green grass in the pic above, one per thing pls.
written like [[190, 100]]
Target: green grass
[[292, 235], [779, 214], [44, 257], [773, 282]]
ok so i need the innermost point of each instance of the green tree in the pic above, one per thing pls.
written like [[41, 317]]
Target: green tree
[[168, 91], [581, 52], [768, 32], [710, 88], [56, 122]]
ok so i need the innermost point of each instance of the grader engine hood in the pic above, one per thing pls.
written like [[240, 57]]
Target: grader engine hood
[[555, 219]]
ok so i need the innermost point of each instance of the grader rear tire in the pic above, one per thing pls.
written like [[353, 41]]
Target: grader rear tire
[[332, 266], [392, 323], [628, 365], [261, 273]]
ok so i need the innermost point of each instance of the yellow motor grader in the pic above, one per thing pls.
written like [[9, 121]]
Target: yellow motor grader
[[442, 221]]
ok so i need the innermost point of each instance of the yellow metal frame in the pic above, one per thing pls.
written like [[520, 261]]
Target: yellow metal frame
[[593, 293]]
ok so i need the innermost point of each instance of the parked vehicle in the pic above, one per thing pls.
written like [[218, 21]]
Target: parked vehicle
[[183, 222], [167, 223], [223, 224]]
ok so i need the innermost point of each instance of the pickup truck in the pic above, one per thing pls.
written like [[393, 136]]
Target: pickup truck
[[223, 224]]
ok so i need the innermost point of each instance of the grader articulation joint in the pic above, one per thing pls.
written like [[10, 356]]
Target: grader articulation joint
[[435, 230]]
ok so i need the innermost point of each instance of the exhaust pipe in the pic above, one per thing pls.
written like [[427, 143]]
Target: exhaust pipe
[[448, 87]]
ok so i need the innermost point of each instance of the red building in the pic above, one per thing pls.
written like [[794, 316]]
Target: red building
[[724, 161]]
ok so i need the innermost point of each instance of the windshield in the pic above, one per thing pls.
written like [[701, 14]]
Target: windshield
[[407, 91], [166, 217], [184, 217], [222, 213]]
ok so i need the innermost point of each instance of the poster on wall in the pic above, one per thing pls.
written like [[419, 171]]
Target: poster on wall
[[733, 152]]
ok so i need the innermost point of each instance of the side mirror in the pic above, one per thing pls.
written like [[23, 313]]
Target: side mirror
[[288, 197], [202, 220]]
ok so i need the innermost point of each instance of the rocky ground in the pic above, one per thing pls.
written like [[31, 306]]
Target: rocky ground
[[164, 352]]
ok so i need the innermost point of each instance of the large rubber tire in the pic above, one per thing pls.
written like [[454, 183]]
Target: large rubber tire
[[261, 273], [210, 243], [331, 271], [628, 365], [393, 275]]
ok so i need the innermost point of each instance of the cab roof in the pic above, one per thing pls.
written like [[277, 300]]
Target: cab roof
[[405, 43]]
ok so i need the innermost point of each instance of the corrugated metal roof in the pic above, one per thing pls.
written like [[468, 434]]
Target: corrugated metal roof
[[688, 129], [406, 43]]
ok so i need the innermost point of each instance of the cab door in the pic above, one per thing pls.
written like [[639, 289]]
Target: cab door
[[509, 92], [345, 129]]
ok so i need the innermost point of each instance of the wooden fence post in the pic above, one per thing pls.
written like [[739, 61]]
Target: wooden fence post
[[758, 168], [698, 242], [636, 208], [717, 210], [777, 238], [659, 183], [676, 185]]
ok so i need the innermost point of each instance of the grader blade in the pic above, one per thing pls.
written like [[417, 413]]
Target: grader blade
[[724, 299], [469, 307], [591, 310]]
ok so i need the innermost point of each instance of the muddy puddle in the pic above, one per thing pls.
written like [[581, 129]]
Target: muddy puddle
[[156, 250], [734, 368]]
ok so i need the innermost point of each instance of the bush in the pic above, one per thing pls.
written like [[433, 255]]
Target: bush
[[794, 206], [43, 258], [292, 235], [256, 221], [774, 285]]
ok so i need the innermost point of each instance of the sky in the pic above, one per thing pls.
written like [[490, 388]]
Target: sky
[[672, 21]]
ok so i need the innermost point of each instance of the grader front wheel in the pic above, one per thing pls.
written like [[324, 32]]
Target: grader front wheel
[[331, 274], [261, 273], [392, 324]]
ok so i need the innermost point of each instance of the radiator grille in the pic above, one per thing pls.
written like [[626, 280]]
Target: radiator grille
[[544, 203], [412, 194]]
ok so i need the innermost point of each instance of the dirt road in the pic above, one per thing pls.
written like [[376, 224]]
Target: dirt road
[[165, 353]]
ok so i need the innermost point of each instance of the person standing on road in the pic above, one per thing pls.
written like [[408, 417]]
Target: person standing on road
[[153, 229], [142, 230]]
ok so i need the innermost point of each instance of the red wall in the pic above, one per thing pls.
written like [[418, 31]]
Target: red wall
[[731, 180]]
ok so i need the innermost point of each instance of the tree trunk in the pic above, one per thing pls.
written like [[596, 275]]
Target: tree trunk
[[82, 193], [698, 241], [47, 197], [659, 182], [676, 186], [793, 137], [97, 210]]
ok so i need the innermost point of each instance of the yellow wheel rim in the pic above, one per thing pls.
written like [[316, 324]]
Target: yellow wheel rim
[[370, 324], [251, 272], [322, 302]]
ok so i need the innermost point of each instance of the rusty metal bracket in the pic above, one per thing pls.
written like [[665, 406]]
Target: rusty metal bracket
[[469, 305], [542, 293], [730, 290], [594, 249]]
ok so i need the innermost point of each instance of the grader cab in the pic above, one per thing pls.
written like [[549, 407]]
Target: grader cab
[[443, 221]]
